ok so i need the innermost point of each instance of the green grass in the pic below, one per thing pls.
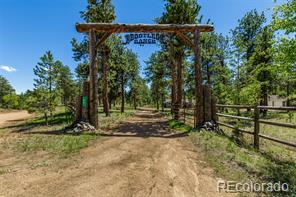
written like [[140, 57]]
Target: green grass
[[180, 126], [234, 159], [36, 136], [63, 145], [3, 171], [236, 163], [115, 118]]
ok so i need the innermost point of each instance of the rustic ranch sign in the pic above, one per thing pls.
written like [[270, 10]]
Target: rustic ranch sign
[[144, 38], [152, 30]]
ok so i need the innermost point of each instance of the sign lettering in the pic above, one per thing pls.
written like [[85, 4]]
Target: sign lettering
[[144, 38]]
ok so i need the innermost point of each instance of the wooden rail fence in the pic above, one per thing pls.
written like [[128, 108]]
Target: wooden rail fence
[[188, 117], [257, 121]]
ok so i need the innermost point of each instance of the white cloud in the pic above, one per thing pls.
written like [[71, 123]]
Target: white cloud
[[7, 68]]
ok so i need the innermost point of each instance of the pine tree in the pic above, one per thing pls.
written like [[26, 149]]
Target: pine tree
[[285, 58], [98, 11], [156, 75], [5, 89], [178, 12], [65, 84], [264, 72], [244, 37], [45, 84]]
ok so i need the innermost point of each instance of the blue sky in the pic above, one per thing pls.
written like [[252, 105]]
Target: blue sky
[[29, 28]]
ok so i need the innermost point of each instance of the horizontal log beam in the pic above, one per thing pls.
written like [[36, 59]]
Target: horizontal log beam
[[120, 28], [288, 125], [236, 106], [277, 140], [278, 108], [235, 117], [233, 127]]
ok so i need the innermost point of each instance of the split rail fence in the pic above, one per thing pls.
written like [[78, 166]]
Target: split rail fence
[[188, 118]]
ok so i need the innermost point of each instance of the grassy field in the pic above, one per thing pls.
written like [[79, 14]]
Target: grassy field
[[33, 135], [234, 158]]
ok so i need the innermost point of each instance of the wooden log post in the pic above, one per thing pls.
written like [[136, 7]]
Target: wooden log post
[[207, 94], [214, 108], [84, 102], [198, 79], [78, 107], [93, 86], [256, 127], [105, 81]]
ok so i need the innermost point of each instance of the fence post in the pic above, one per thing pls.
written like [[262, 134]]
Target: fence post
[[256, 127]]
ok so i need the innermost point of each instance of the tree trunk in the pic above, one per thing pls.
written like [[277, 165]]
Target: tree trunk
[[162, 102], [135, 101], [208, 73], [179, 84], [174, 91], [122, 94], [157, 101], [184, 103], [105, 82], [46, 119], [110, 103]]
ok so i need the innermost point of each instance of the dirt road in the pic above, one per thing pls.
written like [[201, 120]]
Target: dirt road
[[13, 116], [139, 158]]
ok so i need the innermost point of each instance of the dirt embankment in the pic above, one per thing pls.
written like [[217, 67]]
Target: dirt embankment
[[142, 157]]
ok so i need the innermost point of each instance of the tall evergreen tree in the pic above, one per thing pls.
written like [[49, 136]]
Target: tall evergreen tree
[[65, 84], [178, 12], [264, 72], [98, 11], [284, 20], [45, 84], [244, 37], [5, 89], [156, 75]]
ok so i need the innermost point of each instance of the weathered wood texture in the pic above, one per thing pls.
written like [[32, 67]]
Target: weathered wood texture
[[93, 73], [103, 39], [235, 117], [108, 29], [198, 79], [214, 108], [207, 103], [85, 110], [105, 81], [78, 107], [120, 28], [256, 127], [185, 40], [236, 106], [257, 122]]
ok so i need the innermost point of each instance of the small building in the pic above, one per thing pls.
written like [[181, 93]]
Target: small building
[[277, 101]]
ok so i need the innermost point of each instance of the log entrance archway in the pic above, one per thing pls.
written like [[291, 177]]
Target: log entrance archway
[[107, 29]]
